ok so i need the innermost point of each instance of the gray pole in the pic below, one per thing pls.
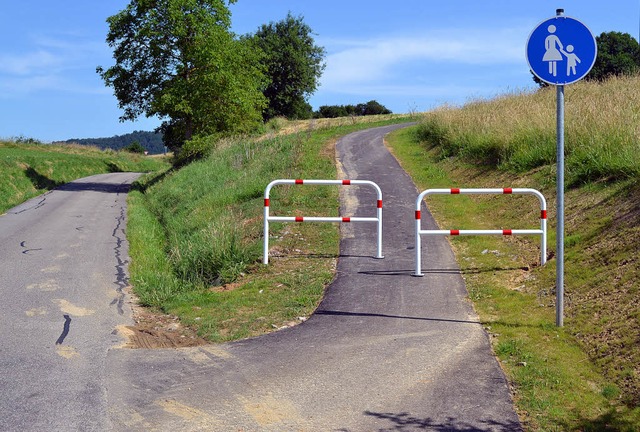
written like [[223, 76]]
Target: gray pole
[[560, 208], [560, 202]]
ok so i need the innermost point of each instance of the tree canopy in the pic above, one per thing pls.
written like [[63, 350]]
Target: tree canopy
[[293, 64], [177, 60], [362, 109], [618, 54]]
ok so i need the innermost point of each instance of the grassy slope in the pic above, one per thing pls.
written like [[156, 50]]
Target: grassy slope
[[29, 170], [517, 132], [196, 234], [585, 376]]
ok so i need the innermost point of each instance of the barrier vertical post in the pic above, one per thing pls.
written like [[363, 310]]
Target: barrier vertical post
[[379, 215], [418, 246], [265, 255]]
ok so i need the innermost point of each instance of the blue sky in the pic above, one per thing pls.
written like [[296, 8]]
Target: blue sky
[[408, 55]]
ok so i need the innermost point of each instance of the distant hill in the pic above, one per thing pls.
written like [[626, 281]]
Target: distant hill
[[151, 141]]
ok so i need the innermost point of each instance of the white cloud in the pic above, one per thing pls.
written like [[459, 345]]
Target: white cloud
[[52, 63], [22, 86], [28, 63], [374, 61]]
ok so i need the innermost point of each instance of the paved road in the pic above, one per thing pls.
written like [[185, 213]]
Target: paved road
[[62, 271], [384, 352]]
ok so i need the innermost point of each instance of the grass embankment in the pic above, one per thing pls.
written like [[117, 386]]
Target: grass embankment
[[585, 376], [196, 234], [29, 170]]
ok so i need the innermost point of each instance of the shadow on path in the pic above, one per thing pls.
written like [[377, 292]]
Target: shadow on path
[[40, 181], [405, 421], [95, 187], [378, 315]]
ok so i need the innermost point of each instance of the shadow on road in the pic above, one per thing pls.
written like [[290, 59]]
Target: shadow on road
[[405, 421], [474, 270], [95, 187], [378, 315]]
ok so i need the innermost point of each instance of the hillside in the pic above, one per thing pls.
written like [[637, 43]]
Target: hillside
[[151, 141], [30, 169]]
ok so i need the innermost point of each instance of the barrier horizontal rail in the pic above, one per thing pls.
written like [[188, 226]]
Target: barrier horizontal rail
[[268, 218], [505, 232]]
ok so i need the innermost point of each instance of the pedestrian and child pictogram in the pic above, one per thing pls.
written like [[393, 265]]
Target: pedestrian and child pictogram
[[561, 50]]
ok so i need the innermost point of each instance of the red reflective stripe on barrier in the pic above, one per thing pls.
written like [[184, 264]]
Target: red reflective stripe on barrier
[[455, 191], [506, 232], [507, 191], [266, 202], [298, 181], [417, 214], [543, 214], [455, 232], [379, 203], [346, 182], [346, 219], [299, 219]]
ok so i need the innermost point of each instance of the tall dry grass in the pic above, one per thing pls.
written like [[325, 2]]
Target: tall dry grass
[[517, 131]]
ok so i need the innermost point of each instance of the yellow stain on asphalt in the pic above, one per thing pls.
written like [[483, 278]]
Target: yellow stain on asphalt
[[181, 410], [49, 285], [51, 269], [127, 334], [67, 352], [71, 309], [36, 311], [207, 355], [217, 351], [269, 410]]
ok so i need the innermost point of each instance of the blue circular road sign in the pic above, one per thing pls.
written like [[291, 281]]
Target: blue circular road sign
[[561, 50]]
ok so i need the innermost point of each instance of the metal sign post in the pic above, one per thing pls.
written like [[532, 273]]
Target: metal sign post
[[560, 51], [560, 206]]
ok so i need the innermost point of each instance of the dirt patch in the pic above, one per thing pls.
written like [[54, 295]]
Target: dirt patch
[[227, 287], [154, 329]]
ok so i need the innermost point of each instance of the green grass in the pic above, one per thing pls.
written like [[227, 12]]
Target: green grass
[[583, 377], [517, 132], [196, 234], [30, 169]]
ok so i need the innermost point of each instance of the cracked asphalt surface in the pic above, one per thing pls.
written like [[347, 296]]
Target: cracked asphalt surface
[[385, 351], [62, 275]]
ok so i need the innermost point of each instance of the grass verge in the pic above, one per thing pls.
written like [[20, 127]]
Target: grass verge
[[196, 234], [583, 377]]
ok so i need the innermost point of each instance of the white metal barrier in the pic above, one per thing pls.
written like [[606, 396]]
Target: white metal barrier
[[542, 232], [268, 218]]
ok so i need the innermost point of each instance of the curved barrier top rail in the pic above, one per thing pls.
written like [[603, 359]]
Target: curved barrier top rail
[[503, 191], [268, 218]]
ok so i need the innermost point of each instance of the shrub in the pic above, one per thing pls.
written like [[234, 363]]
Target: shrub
[[196, 148], [135, 147]]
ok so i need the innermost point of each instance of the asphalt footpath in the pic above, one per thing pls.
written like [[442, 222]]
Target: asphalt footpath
[[385, 351]]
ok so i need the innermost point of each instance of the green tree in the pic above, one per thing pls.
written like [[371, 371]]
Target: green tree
[[294, 64], [135, 147], [372, 108], [177, 60], [332, 111], [618, 54], [362, 109]]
